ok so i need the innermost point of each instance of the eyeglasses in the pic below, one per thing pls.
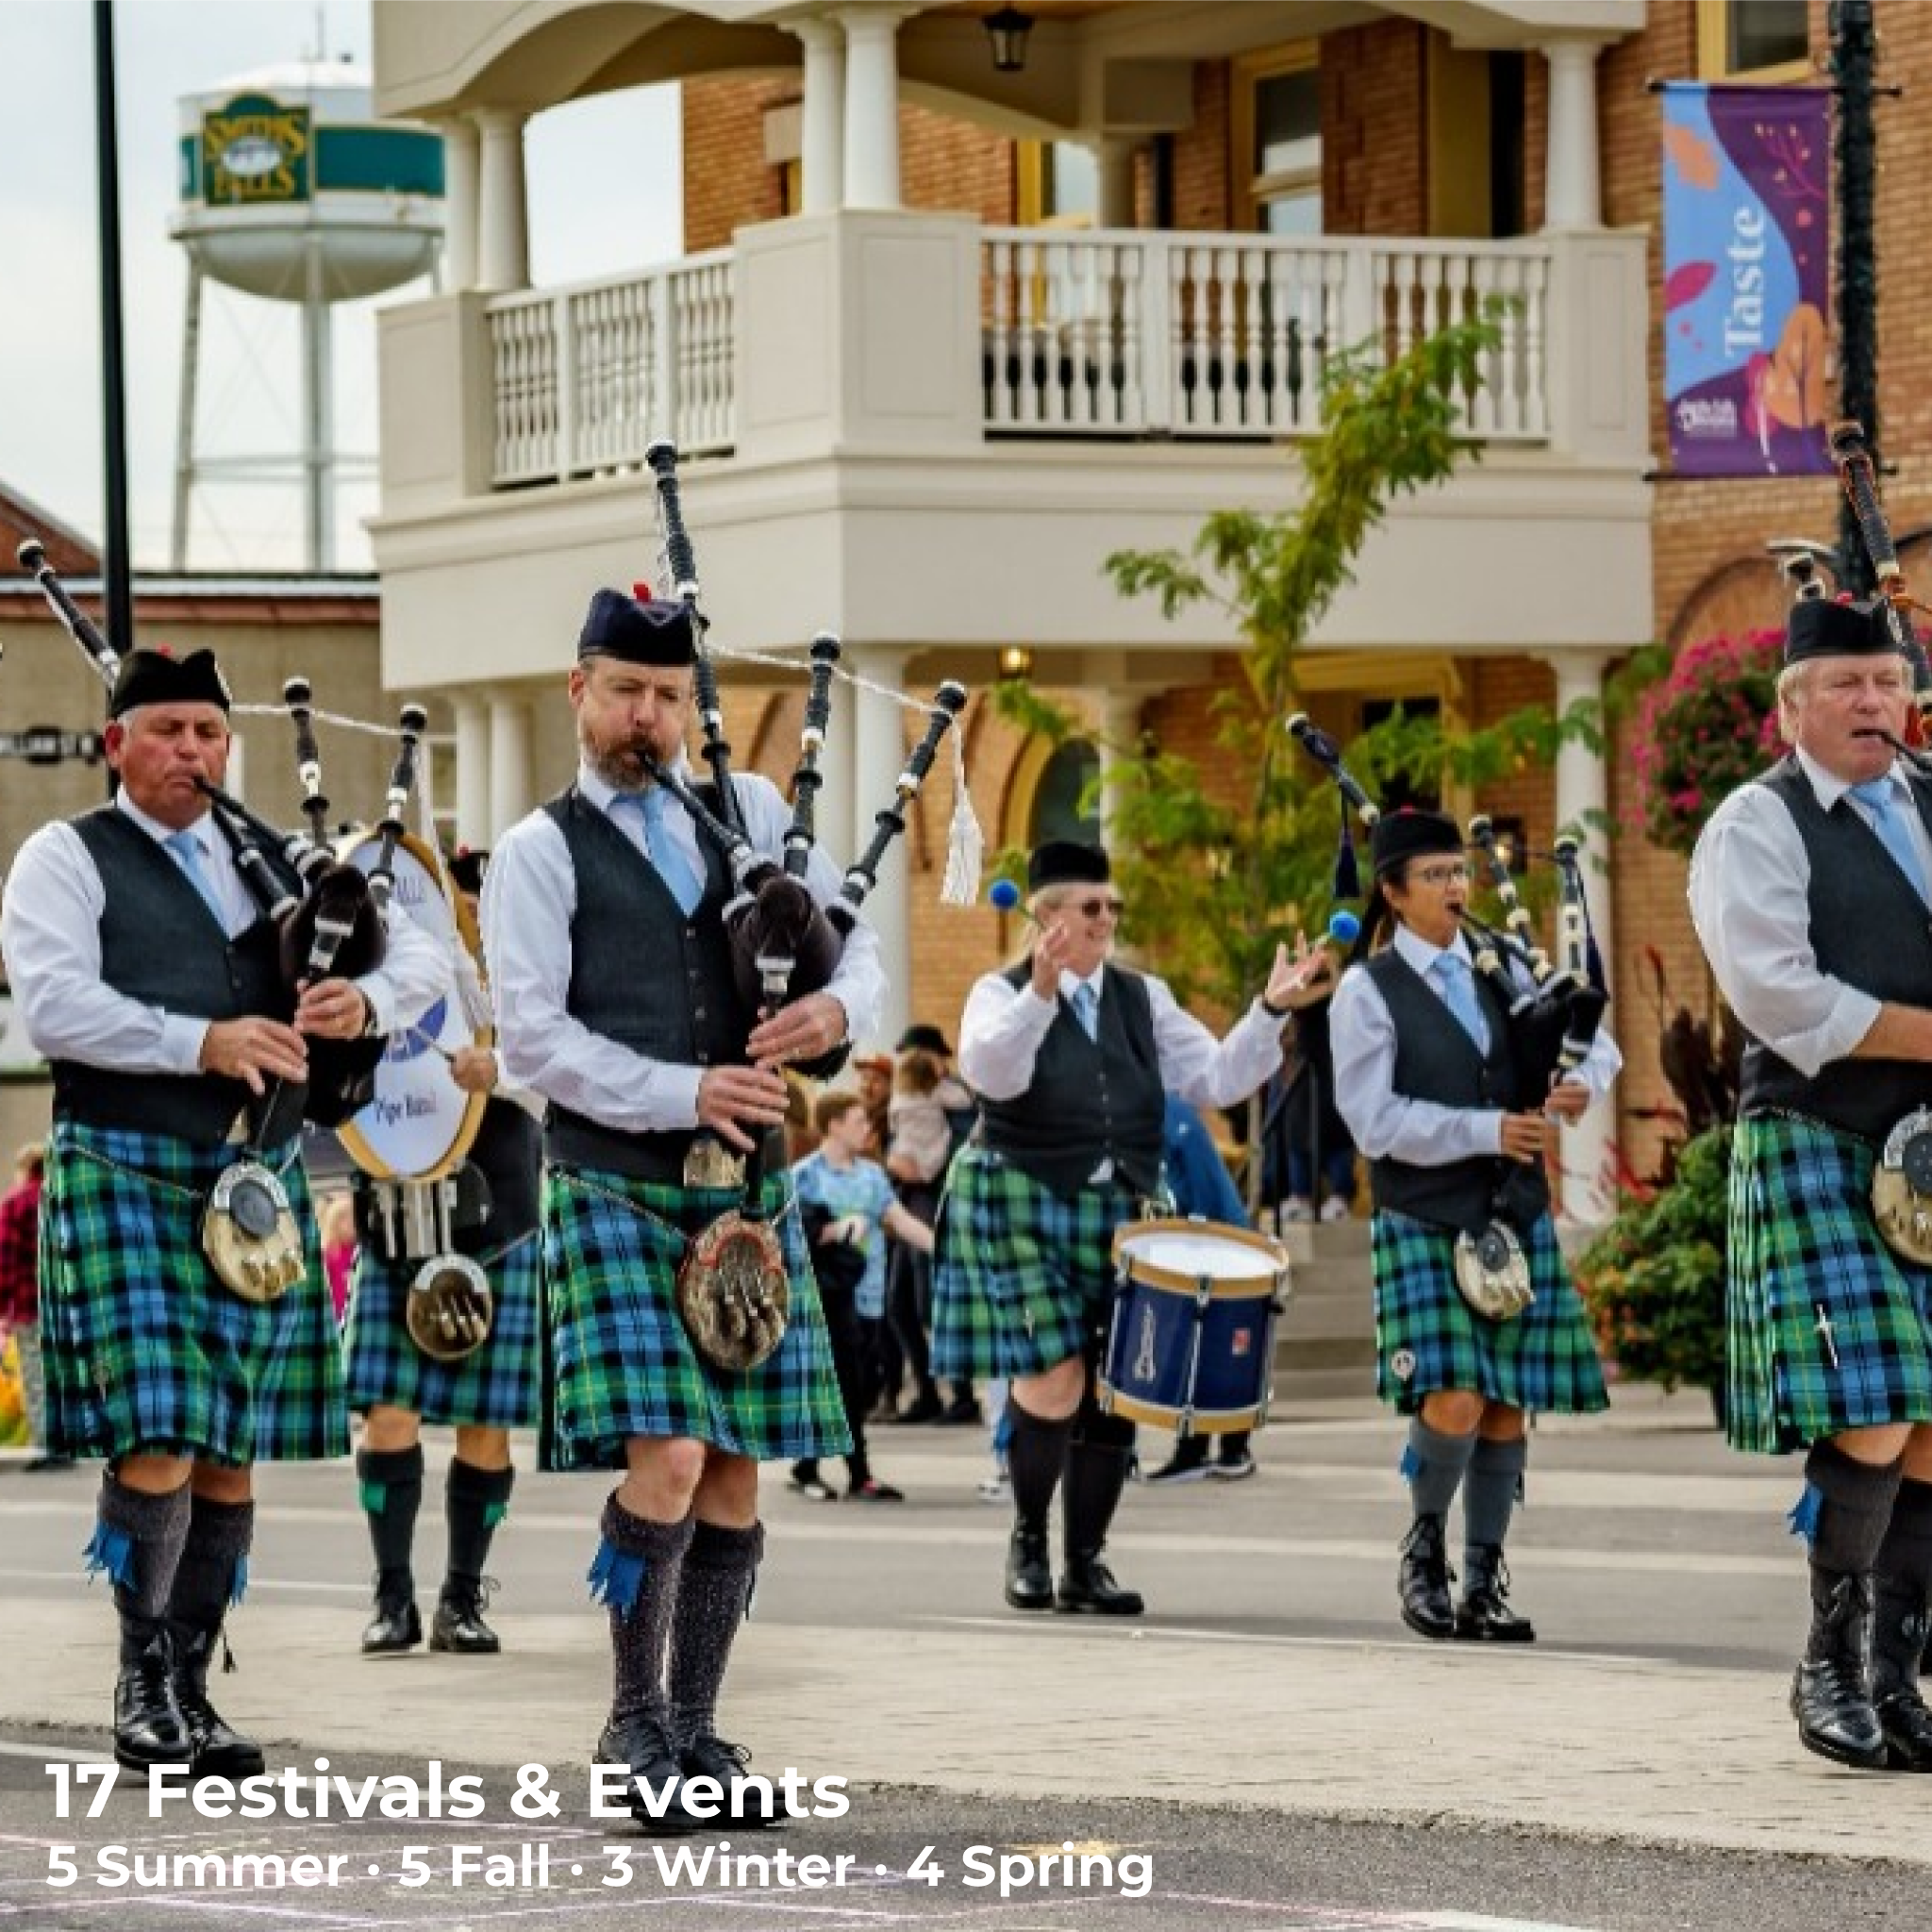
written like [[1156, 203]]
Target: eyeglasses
[[1455, 874], [1092, 908]]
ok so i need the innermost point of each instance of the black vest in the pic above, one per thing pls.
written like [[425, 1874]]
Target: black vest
[[160, 946], [644, 975], [1870, 929], [1090, 1100], [1435, 1060]]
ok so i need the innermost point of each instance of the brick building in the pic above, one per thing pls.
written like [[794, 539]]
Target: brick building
[[945, 334]]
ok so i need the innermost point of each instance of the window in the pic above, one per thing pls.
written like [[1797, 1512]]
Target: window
[[1277, 129], [1066, 800], [1057, 185], [1398, 791], [1766, 38]]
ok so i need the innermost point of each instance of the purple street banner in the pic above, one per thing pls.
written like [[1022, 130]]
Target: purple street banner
[[1747, 258]]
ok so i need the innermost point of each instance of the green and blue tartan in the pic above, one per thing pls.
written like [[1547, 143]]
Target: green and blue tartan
[[1811, 1279], [1427, 1337], [497, 1386], [1023, 1277], [147, 1351], [623, 1365]]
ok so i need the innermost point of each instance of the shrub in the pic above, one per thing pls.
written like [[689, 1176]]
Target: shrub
[[1705, 728], [1654, 1279]]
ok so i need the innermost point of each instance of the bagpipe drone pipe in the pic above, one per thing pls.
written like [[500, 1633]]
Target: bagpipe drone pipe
[[784, 943]]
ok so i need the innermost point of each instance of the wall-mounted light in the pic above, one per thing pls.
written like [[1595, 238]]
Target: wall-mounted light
[[1008, 30], [1016, 661]]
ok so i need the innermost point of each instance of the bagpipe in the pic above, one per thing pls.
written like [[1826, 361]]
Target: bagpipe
[[785, 944], [328, 922], [1554, 1008], [1902, 1175]]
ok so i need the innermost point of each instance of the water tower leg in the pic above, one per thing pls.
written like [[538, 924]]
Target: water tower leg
[[318, 428], [184, 425]]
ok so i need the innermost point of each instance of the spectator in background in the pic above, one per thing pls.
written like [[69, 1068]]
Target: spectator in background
[[19, 1295], [1309, 1151], [873, 1072], [886, 1370], [336, 1223], [845, 1206], [924, 1113]]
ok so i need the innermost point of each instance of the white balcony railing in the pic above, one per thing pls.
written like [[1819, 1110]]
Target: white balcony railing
[[1192, 335], [585, 376], [1122, 332]]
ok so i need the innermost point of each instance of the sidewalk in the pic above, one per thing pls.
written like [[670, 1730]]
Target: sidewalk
[[1584, 1745]]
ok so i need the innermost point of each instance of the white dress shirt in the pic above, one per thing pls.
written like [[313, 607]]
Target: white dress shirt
[[1749, 901], [1388, 1125], [1003, 1026], [529, 898], [50, 931]]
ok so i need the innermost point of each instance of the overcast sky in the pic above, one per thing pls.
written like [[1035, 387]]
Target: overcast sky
[[598, 171]]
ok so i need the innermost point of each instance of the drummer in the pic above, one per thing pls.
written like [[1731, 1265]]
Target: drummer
[[1070, 1056]]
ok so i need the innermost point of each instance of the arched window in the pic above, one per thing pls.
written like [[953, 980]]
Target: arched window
[[1061, 809]]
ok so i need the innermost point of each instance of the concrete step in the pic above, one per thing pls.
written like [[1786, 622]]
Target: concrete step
[[1295, 1386]]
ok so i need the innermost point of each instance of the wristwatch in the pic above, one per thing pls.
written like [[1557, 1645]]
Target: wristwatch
[[370, 1029]]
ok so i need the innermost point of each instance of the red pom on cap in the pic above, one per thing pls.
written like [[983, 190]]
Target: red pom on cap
[[642, 592]]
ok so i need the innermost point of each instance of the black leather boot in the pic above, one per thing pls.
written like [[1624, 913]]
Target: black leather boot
[[1029, 1572], [1830, 1697], [1087, 1587], [396, 1626], [1423, 1581], [656, 1771], [149, 1727], [1097, 1461], [459, 1624], [1900, 1623], [1484, 1615], [220, 1750]]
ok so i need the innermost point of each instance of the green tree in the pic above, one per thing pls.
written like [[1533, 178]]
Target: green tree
[[1215, 875]]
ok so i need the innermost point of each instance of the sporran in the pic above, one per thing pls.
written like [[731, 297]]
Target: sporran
[[249, 1234], [1902, 1189], [734, 1291], [1492, 1272]]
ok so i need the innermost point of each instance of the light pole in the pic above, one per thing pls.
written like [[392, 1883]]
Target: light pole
[[1856, 166]]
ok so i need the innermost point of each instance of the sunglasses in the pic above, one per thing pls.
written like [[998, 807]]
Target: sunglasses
[[1092, 908]]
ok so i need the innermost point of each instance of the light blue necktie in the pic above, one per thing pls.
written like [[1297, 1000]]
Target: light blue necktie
[[1876, 796], [1458, 987], [186, 849], [664, 851], [1086, 1009]]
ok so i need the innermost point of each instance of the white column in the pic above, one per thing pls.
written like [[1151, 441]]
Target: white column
[[511, 793], [821, 146], [503, 223], [472, 771], [1115, 156], [461, 199], [878, 749], [872, 106], [1582, 806], [1571, 195]]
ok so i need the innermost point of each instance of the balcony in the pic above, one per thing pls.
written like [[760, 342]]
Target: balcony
[[877, 404], [1110, 334]]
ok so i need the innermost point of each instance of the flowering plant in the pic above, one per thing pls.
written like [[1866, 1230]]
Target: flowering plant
[[1705, 728]]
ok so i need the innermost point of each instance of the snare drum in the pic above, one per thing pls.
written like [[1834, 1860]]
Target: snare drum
[[1190, 1345]]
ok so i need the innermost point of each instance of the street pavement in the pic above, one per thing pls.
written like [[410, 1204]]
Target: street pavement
[[1270, 1680]]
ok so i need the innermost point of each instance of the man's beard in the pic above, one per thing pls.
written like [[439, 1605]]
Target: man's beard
[[620, 766]]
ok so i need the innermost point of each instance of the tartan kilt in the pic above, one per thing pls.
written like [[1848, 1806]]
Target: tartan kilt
[[1023, 1277], [147, 1351], [496, 1386], [1806, 1252], [622, 1362], [1427, 1337]]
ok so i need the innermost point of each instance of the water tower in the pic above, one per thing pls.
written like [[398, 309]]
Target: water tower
[[292, 190]]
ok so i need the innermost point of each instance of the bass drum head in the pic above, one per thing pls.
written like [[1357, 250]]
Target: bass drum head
[[419, 1124]]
